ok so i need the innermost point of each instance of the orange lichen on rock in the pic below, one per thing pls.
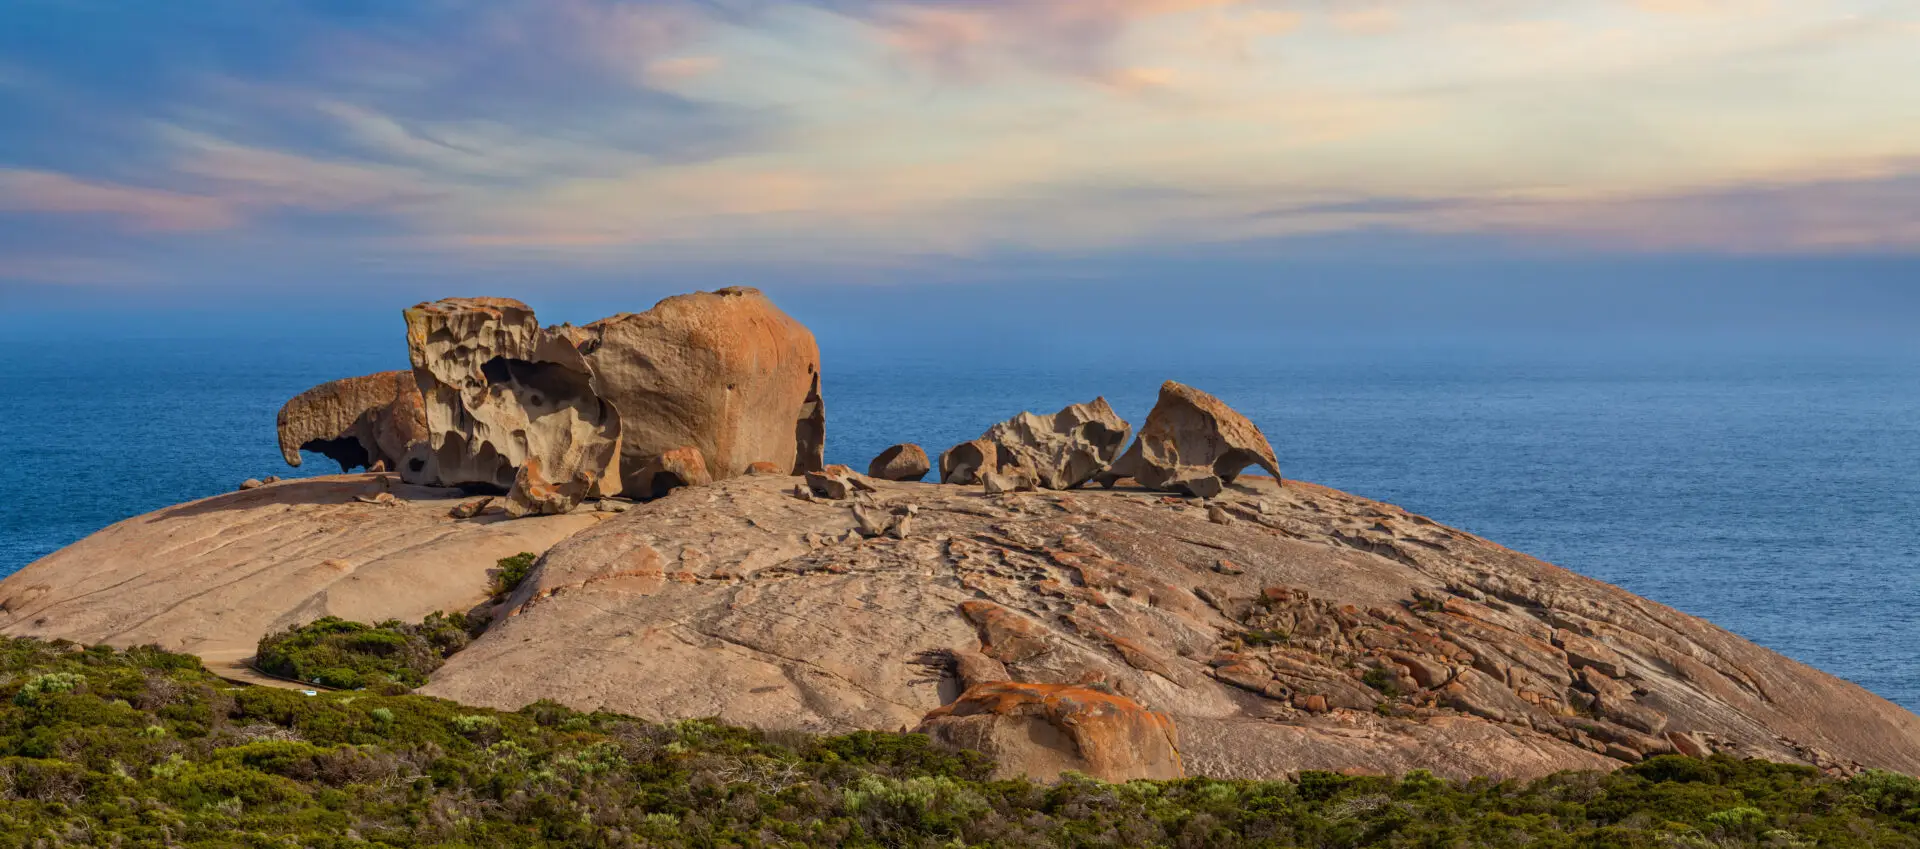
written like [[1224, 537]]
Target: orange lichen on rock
[[1043, 730]]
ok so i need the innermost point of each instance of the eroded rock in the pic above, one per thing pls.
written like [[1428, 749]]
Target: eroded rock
[[509, 405], [1042, 730], [470, 509], [1192, 443], [725, 373], [370, 422], [1064, 451], [699, 388]]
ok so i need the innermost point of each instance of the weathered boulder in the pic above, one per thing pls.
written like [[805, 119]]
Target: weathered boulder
[[1042, 730], [963, 463], [509, 405], [1192, 443], [1063, 451], [368, 422], [903, 462], [725, 373]]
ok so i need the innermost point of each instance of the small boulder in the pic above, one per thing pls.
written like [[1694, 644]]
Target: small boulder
[[251, 483], [963, 463], [872, 521], [828, 485], [903, 462], [1194, 444], [470, 509], [1042, 730], [1009, 480]]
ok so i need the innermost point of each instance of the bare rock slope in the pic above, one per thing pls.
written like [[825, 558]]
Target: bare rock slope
[[211, 577], [1281, 626]]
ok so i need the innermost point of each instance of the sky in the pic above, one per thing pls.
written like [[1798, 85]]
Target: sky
[[376, 153]]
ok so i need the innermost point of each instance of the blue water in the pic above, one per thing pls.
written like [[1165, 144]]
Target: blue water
[[1775, 494]]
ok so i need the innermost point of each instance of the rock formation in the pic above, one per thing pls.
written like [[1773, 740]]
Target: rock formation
[[701, 387], [212, 576], [903, 462], [1279, 626], [1316, 630], [1062, 452], [726, 373], [1192, 443], [365, 422], [509, 405], [1043, 730]]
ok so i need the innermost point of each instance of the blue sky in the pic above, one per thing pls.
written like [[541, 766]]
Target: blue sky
[[204, 149]]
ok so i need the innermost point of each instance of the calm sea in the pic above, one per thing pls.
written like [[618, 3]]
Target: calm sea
[[1775, 495]]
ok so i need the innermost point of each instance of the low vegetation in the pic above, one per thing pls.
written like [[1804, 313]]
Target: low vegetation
[[511, 571], [391, 657], [101, 748]]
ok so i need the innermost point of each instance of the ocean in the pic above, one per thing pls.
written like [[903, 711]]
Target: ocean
[[1774, 493]]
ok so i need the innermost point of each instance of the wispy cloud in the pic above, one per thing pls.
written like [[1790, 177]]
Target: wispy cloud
[[142, 208], [874, 131]]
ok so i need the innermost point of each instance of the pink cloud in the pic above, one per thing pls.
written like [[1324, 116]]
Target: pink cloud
[[149, 209], [962, 37]]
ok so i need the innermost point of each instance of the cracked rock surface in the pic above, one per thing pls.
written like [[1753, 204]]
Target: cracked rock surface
[[1316, 630]]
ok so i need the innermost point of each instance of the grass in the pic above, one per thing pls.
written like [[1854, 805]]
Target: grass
[[104, 748]]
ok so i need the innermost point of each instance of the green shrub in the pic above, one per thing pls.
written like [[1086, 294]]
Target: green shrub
[[512, 571], [259, 767], [390, 656], [46, 684], [1264, 637]]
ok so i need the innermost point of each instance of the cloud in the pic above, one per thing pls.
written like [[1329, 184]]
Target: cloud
[[603, 132], [1873, 211], [147, 209], [971, 38]]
